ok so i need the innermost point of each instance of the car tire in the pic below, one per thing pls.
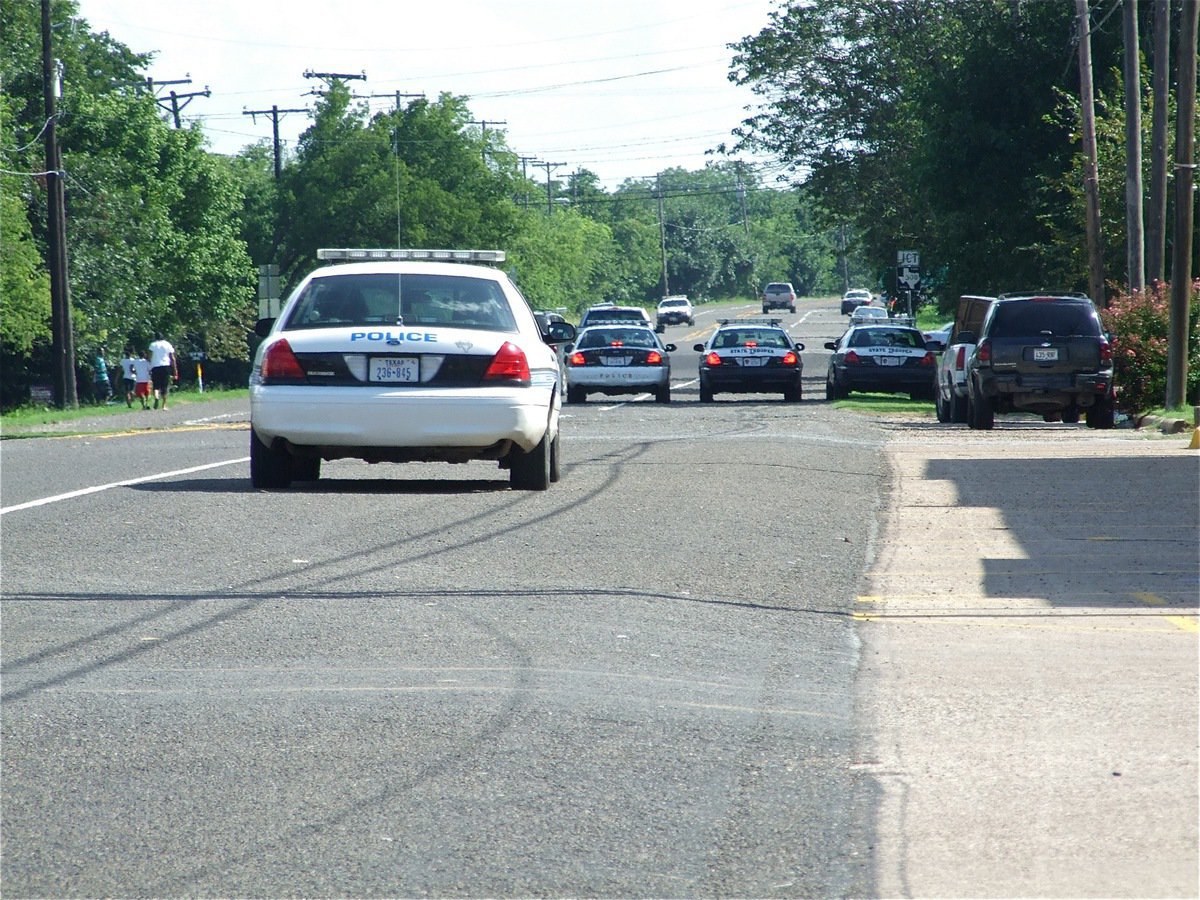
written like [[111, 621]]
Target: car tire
[[943, 410], [832, 391], [663, 394], [531, 471], [1070, 415], [793, 395], [576, 395], [706, 394], [981, 414], [766, 309], [691, 321], [791, 309], [556, 459], [269, 467], [1102, 414], [958, 408], [306, 468]]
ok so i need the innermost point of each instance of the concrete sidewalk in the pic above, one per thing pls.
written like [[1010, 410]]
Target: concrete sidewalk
[[1030, 664]]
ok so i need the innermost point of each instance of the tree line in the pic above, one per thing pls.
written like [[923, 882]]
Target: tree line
[[947, 126]]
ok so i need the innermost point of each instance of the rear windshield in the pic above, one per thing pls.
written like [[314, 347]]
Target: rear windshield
[[778, 288], [607, 337], [615, 315], [392, 299], [1031, 317], [758, 337], [887, 337]]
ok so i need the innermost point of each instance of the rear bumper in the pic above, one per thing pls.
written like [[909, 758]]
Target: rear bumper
[[735, 379], [1038, 392]]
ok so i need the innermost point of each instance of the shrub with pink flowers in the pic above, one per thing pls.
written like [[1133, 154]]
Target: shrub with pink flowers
[[1140, 326]]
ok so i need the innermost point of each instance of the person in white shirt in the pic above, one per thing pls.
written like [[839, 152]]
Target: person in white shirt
[[163, 369], [141, 378], [128, 378]]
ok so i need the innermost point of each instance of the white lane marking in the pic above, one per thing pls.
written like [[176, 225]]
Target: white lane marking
[[71, 495]]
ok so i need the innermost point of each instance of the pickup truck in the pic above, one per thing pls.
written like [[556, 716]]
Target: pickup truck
[[778, 294], [950, 394]]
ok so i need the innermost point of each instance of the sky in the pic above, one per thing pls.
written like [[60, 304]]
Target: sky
[[623, 88]]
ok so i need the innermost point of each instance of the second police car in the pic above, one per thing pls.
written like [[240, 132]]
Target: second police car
[[404, 356], [751, 356], [888, 359], [618, 357]]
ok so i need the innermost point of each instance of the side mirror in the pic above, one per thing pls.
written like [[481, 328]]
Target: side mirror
[[965, 337], [263, 327], [830, 345], [560, 333], [935, 346], [799, 347], [670, 348], [699, 348], [659, 329]]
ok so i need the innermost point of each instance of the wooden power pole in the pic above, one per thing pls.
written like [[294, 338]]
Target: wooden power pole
[[1091, 181]]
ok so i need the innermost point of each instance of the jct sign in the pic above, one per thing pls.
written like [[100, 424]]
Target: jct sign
[[908, 269]]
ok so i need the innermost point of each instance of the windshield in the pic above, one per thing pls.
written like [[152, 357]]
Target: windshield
[[608, 337], [757, 337], [383, 298]]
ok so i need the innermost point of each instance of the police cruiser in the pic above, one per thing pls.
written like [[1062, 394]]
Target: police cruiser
[[748, 356], [888, 359], [406, 356], [618, 357]]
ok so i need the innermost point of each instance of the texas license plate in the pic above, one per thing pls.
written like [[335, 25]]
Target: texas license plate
[[615, 360], [754, 360], [891, 360], [1045, 354], [395, 369]]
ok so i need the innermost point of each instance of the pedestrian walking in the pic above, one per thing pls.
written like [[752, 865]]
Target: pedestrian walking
[[163, 369], [141, 378], [128, 376], [103, 385]]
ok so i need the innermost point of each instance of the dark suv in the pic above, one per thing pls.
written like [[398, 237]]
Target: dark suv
[[1040, 353]]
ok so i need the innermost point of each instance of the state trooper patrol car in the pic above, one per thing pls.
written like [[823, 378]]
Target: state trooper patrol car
[[405, 356], [888, 359], [748, 356], [618, 357]]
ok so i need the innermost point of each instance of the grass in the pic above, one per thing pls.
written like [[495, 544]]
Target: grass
[[885, 403], [32, 416]]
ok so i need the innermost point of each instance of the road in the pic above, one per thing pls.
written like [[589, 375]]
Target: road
[[742, 649]]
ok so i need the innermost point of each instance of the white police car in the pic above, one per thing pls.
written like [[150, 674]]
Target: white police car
[[751, 355], [618, 357], [405, 356]]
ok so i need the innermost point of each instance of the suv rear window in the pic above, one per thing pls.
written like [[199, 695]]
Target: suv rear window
[[1020, 318], [778, 288]]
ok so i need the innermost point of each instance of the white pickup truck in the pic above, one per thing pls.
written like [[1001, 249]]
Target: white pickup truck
[[950, 395]]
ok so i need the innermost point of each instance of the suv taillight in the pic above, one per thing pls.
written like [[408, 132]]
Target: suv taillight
[[509, 364], [1106, 353], [960, 359], [983, 352], [280, 364]]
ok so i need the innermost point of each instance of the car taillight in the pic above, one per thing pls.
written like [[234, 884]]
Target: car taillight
[[576, 359], [509, 364], [928, 360], [790, 358], [960, 359], [851, 359], [713, 359], [280, 363], [983, 352], [1106, 354], [654, 358]]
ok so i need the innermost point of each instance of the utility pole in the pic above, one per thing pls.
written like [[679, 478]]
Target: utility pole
[[1156, 222], [274, 112], [1091, 181], [1135, 254], [65, 395], [662, 237], [1185, 199], [549, 188], [524, 174], [483, 124], [174, 97], [399, 97]]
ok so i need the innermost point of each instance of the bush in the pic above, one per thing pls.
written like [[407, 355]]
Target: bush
[[1140, 325]]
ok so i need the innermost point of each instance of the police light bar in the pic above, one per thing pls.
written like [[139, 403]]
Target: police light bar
[[752, 320], [633, 323], [382, 254]]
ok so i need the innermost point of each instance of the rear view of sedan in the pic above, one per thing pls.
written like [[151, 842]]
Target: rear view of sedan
[[402, 357], [883, 359], [751, 356], [618, 358]]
